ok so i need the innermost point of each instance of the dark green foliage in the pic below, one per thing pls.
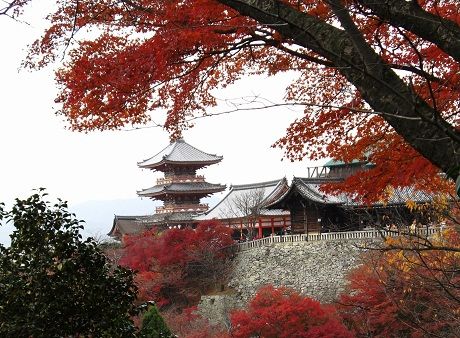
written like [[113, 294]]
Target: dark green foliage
[[53, 283], [153, 325]]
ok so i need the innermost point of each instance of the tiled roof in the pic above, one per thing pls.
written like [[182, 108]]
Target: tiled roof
[[403, 195], [226, 207], [128, 225], [310, 188], [189, 187], [179, 152], [123, 225]]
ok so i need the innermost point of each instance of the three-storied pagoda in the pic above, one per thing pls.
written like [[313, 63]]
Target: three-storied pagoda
[[180, 189]]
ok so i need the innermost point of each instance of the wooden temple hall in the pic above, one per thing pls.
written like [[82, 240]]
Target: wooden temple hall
[[260, 209], [314, 211]]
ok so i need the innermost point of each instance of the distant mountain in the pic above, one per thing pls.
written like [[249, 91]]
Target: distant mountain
[[98, 215]]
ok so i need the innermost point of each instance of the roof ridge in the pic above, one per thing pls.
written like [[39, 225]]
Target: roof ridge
[[317, 179], [255, 185], [183, 141], [218, 203], [147, 159]]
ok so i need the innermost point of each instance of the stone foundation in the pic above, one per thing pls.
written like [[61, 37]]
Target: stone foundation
[[316, 269]]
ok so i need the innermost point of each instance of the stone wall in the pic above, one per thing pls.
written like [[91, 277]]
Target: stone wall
[[316, 269], [216, 308]]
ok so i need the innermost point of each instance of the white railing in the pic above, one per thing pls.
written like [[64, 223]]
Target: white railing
[[182, 208], [331, 236], [180, 179]]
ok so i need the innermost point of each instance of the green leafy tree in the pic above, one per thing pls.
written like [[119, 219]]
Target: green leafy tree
[[55, 284], [153, 325]]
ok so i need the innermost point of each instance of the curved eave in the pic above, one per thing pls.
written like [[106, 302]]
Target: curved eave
[[114, 232], [163, 192], [180, 153], [280, 203], [281, 188], [158, 165], [126, 225], [300, 186]]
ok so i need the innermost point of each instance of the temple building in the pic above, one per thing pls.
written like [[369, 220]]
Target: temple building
[[244, 210], [266, 208], [180, 189], [314, 211]]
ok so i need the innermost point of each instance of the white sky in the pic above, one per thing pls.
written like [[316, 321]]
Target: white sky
[[37, 150]]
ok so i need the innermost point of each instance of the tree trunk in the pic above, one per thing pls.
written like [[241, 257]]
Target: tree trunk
[[411, 117]]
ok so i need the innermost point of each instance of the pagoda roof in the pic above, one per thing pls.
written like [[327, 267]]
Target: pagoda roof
[[179, 152], [226, 208], [310, 189], [203, 188]]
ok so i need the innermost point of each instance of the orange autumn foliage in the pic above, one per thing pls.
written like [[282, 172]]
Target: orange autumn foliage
[[410, 288], [134, 57]]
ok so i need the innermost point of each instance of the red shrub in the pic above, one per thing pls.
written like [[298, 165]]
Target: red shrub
[[178, 265], [282, 312], [190, 324]]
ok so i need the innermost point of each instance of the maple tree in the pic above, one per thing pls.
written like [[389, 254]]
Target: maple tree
[[379, 78], [12, 8], [408, 288], [282, 312], [178, 265]]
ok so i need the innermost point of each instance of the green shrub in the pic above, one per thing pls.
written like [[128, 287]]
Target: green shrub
[[153, 325], [55, 284]]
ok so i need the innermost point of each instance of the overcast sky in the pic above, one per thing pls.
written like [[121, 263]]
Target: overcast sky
[[38, 151]]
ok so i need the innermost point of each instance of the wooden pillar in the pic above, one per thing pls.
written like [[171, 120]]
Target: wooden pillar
[[305, 217], [273, 225], [241, 229], [260, 228], [284, 224]]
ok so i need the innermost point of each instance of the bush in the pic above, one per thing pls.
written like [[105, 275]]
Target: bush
[[283, 313], [153, 325], [178, 265], [53, 283]]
